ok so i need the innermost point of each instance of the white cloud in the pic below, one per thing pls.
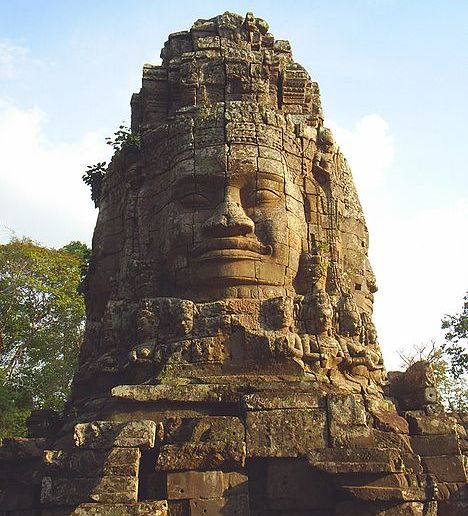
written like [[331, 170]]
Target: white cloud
[[420, 262], [419, 255], [11, 57], [41, 191], [369, 149]]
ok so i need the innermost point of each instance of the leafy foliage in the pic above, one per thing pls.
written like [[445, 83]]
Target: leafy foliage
[[93, 178], [83, 252], [15, 407], [124, 137], [456, 337], [94, 175], [41, 326]]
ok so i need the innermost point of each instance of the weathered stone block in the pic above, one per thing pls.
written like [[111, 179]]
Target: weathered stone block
[[276, 400], [347, 421], [195, 484], [452, 491], [385, 494], [106, 434], [285, 432], [355, 460], [431, 445], [400, 480], [434, 424], [230, 506], [235, 483], [178, 507], [201, 456], [293, 484], [411, 462], [446, 468], [449, 508], [388, 421], [212, 428], [15, 448], [156, 508], [384, 440], [92, 463], [60, 491]]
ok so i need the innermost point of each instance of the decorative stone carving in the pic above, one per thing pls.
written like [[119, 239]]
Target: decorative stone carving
[[230, 363], [237, 193]]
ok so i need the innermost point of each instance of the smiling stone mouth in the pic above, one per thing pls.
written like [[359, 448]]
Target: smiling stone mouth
[[231, 244]]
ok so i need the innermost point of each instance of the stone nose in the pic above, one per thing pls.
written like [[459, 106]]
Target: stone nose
[[229, 218]]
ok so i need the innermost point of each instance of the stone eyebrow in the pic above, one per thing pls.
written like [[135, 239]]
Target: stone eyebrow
[[270, 177], [201, 178]]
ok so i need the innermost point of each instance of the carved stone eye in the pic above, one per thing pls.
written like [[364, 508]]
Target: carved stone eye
[[266, 196], [194, 200], [262, 196]]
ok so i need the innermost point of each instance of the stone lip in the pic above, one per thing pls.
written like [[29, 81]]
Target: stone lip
[[209, 248]]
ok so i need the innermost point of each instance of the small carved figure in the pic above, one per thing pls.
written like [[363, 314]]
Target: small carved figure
[[349, 318], [279, 314], [323, 163]]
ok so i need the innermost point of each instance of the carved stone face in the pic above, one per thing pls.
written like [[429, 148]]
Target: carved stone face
[[232, 223]]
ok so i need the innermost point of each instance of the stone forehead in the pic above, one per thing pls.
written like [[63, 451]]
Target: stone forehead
[[239, 123]]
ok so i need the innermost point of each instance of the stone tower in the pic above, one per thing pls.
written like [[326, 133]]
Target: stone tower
[[230, 243], [230, 364]]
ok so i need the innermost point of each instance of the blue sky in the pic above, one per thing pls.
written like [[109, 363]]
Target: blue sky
[[394, 80]]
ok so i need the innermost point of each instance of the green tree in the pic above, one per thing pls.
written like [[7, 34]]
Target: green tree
[[84, 254], [41, 325], [456, 340]]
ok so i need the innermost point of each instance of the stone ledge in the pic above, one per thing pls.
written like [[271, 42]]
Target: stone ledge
[[355, 460], [156, 508], [21, 448], [194, 393], [92, 463], [107, 434], [386, 494], [201, 456], [71, 491], [273, 401]]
